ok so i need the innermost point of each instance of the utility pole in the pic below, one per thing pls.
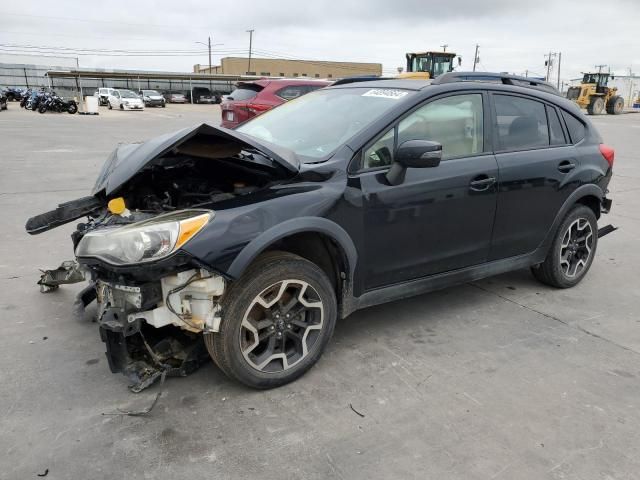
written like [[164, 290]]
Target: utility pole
[[444, 47], [548, 64], [250, 32], [475, 58], [600, 67], [559, 60], [210, 71], [630, 102]]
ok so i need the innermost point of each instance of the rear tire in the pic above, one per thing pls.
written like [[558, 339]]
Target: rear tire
[[277, 319], [615, 105], [596, 106], [572, 251], [42, 109], [73, 108]]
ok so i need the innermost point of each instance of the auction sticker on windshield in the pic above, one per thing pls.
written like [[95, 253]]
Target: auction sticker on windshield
[[386, 93]]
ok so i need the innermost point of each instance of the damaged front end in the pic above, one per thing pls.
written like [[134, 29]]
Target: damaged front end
[[155, 300], [152, 329]]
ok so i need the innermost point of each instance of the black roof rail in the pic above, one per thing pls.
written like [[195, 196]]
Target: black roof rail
[[362, 78], [491, 77]]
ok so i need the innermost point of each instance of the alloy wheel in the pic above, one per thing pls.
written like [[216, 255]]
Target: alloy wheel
[[281, 325], [576, 247]]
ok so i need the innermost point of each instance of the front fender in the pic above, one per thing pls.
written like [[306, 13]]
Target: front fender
[[290, 227]]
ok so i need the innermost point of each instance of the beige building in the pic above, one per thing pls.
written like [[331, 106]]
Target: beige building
[[273, 67]]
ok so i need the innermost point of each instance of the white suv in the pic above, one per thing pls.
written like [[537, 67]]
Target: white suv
[[103, 95], [125, 100]]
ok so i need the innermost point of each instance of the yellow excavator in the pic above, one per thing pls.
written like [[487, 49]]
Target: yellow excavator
[[425, 65], [594, 95]]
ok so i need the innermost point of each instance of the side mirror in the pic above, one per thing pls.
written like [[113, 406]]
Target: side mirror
[[459, 61], [414, 154]]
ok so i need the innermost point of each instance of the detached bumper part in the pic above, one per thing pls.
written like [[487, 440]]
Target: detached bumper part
[[68, 272], [154, 329]]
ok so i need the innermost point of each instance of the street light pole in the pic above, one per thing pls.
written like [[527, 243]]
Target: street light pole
[[250, 32], [209, 45]]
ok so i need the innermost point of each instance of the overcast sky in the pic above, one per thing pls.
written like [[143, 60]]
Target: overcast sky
[[514, 35]]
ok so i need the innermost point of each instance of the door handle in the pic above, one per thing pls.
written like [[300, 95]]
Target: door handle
[[481, 183], [566, 166]]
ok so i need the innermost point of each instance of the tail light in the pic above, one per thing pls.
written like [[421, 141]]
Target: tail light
[[257, 108], [608, 153]]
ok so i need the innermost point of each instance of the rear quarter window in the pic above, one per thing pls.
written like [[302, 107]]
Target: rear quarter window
[[576, 128], [244, 93], [556, 135]]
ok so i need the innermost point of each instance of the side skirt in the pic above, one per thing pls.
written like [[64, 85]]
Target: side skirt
[[447, 279]]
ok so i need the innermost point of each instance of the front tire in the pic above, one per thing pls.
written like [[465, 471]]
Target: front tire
[[73, 108], [277, 319], [572, 251], [596, 106], [615, 105], [110, 106]]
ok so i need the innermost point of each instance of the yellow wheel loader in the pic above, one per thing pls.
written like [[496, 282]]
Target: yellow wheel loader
[[425, 65], [594, 95]]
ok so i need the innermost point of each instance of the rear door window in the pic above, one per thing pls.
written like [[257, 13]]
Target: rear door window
[[576, 127], [521, 123]]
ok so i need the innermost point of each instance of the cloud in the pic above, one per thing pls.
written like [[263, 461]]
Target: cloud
[[514, 35]]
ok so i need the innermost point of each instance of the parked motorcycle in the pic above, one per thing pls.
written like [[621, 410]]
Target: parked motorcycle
[[54, 103], [25, 97], [37, 97]]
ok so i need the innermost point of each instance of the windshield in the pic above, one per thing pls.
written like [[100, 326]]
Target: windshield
[[316, 124], [595, 78], [150, 92], [127, 94]]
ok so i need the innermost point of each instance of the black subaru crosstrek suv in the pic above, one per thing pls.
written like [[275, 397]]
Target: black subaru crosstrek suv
[[249, 244]]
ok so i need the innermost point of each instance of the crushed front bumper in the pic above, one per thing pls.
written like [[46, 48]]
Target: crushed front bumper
[[155, 329]]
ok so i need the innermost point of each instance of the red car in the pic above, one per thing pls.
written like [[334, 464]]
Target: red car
[[252, 98]]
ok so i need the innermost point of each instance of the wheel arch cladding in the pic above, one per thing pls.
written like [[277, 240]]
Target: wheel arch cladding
[[319, 240], [589, 195]]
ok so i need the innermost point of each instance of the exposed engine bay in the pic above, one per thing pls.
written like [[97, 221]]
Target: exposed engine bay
[[148, 200]]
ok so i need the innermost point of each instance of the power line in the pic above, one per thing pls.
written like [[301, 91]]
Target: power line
[[83, 54], [115, 22], [98, 50]]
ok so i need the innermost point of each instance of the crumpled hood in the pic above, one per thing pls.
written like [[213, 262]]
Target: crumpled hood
[[128, 159]]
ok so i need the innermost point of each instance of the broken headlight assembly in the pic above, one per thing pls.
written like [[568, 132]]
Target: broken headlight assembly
[[144, 241]]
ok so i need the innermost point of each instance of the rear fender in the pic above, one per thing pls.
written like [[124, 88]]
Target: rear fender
[[581, 192]]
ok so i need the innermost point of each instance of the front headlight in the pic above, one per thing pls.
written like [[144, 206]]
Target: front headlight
[[144, 241]]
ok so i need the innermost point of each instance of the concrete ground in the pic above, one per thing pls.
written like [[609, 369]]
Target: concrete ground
[[503, 378]]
